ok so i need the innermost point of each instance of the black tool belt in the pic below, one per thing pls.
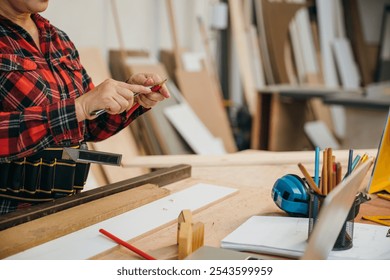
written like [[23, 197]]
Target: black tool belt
[[42, 177]]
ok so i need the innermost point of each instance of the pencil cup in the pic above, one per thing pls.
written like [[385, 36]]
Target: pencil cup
[[345, 237]]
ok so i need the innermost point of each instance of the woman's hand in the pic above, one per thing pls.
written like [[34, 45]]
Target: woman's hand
[[113, 96], [148, 100]]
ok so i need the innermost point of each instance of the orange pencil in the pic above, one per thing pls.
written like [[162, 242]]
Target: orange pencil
[[330, 170], [324, 178], [309, 179]]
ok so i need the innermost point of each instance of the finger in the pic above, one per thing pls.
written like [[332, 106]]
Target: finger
[[153, 97], [149, 100], [147, 103], [164, 91], [135, 88], [118, 105], [142, 79], [125, 93]]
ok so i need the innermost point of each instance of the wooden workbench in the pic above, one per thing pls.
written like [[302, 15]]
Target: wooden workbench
[[254, 182]]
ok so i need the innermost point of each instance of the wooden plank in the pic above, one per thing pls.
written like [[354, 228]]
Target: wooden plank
[[174, 37], [320, 135], [87, 243], [236, 159], [161, 177], [94, 63], [346, 65], [199, 91], [307, 45], [194, 132], [244, 60], [327, 31], [277, 18], [257, 64], [355, 33], [211, 65], [263, 42], [47, 228], [286, 125]]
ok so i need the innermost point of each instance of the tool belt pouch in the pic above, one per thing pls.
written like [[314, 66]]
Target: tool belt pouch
[[42, 177]]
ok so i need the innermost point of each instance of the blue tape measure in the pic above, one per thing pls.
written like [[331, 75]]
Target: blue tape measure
[[290, 194]]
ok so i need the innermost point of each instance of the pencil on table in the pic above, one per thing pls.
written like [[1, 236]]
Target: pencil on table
[[127, 245], [309, 179]]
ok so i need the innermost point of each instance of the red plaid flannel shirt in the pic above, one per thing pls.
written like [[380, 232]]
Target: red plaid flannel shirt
[[38, 90]]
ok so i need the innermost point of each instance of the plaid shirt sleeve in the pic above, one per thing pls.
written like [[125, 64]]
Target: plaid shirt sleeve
[[38, 88]]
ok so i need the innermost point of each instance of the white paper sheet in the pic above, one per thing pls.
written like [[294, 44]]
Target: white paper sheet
[[287, 236]]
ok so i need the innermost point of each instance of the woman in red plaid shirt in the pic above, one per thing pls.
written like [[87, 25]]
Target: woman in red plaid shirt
[[46, 98]]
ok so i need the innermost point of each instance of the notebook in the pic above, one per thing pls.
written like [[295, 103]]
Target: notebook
[[212, 253], [287, 236]]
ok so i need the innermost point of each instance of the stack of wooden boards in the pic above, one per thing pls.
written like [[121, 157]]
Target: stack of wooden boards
[[301, 43]]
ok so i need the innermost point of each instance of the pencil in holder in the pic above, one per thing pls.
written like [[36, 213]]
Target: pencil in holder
[[344, 240]]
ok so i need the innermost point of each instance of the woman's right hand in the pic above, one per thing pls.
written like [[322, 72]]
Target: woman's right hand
[[113, 96]]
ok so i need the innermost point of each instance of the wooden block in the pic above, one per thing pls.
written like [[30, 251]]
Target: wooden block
[[197, 236], [185, 240], [184, 217]]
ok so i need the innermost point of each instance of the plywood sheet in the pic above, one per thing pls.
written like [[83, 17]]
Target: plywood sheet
[[277, 18], [193, 130], [286, 125], [199, 91], [244, 60]]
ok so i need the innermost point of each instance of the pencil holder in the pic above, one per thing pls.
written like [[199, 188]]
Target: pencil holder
[[344, 240]]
